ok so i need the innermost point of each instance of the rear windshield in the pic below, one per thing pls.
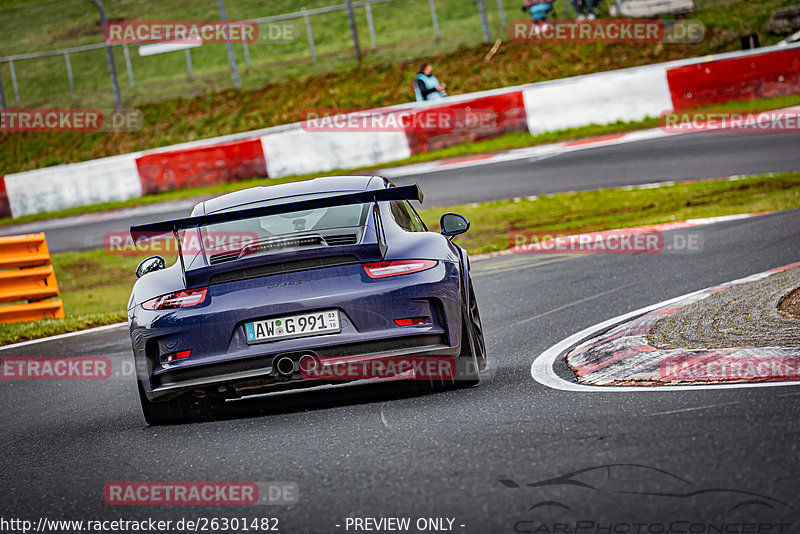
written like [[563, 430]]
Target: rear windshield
[[230, 240]]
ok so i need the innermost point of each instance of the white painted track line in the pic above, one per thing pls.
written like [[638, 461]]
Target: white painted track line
[[63, 336]]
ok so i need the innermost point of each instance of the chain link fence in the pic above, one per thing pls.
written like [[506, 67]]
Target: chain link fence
[[36, 71], [53, 54]]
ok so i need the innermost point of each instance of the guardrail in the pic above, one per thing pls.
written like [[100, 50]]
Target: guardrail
[[26, 274]]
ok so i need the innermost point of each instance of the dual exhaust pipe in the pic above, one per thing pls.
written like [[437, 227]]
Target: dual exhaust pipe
[[287, 366]]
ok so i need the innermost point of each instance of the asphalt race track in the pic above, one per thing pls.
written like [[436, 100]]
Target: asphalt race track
[[703, 457], [679, 157]]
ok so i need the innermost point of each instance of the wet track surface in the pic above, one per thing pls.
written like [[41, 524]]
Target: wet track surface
[[700, 457]]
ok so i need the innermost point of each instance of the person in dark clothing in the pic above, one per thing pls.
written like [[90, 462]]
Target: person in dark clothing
[[538, 10], [426, 86], [584, 9]]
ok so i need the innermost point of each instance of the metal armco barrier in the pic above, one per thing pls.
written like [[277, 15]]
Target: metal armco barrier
[[27, 275]]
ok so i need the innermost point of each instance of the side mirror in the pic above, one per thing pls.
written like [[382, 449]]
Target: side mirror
[[453, 224], [153, 263]]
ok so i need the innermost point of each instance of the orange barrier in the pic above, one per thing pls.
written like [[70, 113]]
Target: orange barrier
[[26, 275]]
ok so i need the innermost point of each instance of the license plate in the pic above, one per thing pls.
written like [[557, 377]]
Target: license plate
[[290, 326]]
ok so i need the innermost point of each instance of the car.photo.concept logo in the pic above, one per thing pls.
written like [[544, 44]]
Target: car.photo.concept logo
[[640, 499]]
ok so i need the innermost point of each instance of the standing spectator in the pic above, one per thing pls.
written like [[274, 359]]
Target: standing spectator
[[538, 10], [426, 86], [584, 9]]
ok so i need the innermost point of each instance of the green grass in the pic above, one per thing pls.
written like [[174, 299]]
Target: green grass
[[604, 209], [506, 142], [95, 285], [175, 110]]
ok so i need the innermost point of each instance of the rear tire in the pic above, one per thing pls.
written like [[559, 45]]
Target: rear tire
[[477, 329], [467, 374], [183, 409], [469, 363]]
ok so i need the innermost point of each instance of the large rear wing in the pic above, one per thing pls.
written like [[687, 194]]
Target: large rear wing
[[143, 232], [140, 232]]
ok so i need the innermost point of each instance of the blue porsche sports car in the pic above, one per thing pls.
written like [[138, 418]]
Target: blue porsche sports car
[[273, 281]]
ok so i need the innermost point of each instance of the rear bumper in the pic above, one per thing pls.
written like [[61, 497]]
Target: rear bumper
[[221, 356], [258, 375]]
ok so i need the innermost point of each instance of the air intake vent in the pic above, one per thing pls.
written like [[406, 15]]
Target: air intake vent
[[341, 239], [281, 268], [220, 258], [266, 245]]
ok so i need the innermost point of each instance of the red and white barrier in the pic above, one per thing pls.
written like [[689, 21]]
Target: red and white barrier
[[76, 184], [465, 121], [5, 209], [201, 165], [753, 76], [602, 98], [297, 151]]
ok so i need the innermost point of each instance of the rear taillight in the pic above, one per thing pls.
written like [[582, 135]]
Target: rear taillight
[[411, 321], [382, 269], [176, 356], [181, 299]]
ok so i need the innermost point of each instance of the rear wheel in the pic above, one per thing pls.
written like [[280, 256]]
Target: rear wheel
[[472, 358], [477, 329], [468, 363], [183, 409]]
